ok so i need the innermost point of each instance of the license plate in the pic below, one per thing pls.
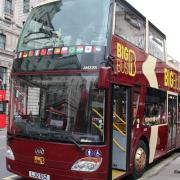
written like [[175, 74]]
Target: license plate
[[37, 175]]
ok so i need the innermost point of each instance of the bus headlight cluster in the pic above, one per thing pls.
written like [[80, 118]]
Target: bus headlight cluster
[[9, 153], [88, 164]]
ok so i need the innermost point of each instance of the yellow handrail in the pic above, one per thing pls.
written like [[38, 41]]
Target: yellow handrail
[[97, 113], [116, 142], [97, 127], [119, 130], [120, 146], [119, 118]]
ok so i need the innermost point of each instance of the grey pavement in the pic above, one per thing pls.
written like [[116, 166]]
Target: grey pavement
[[170, 171], [165, 169], [2, 151]]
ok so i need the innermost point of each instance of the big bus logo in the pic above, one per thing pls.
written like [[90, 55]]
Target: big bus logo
[[171, 79], [126, 60]]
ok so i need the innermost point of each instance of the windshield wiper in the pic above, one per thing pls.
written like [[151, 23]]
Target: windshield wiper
[[41, 31], [25, 41], [73, 140], [47, 33], [65, 136], [22, 135], [49, 135]]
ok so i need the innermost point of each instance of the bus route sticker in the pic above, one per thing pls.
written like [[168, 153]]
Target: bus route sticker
[[89, 152], [97, 153]]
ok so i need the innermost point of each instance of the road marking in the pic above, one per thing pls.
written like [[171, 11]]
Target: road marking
[[9, 177]]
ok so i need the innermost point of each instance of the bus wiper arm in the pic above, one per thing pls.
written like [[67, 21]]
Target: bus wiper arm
[[47, 33], [41, 31], [26, 40], [72, 139], [67, 137]]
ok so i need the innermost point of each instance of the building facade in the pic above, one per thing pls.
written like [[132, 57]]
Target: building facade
[[13, 14], [23, 7], [9, 32]]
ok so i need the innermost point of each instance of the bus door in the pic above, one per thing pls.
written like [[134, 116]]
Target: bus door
[[172, 120], [121, 121], [178, 125]]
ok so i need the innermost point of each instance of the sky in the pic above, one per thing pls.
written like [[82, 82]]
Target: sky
[[165, 15]]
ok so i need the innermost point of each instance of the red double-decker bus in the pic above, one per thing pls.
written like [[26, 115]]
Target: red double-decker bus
[[92, 93]]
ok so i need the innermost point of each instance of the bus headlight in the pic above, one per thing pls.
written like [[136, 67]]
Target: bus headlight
[[88, 164], [9, 153]]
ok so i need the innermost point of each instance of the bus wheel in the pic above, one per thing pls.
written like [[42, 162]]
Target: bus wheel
[[140, 160]]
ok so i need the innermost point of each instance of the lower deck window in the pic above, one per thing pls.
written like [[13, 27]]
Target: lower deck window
[[155, 107]]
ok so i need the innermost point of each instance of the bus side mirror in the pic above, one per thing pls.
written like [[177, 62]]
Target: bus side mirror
[[104, 77]]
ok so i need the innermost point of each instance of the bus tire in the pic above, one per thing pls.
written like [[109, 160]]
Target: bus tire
[[140, 159]]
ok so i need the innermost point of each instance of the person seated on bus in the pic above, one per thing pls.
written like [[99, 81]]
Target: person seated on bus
[[162, 113], [154, 111], [152, 114]]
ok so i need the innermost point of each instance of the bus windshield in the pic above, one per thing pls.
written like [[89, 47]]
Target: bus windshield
[[57, 107], [65, 23]]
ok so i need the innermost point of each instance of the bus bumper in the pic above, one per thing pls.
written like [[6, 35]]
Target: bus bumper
[[23, 169]]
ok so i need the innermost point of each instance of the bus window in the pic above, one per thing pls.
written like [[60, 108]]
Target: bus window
[[156, 43], [97, 112], [129, 25], [54, 104], [136, 99], [2, 108], [3, 78], [155, 107], [47, 27]]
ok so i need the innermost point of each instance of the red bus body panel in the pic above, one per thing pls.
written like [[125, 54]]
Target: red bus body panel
[[122, 76], [59, 159]]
